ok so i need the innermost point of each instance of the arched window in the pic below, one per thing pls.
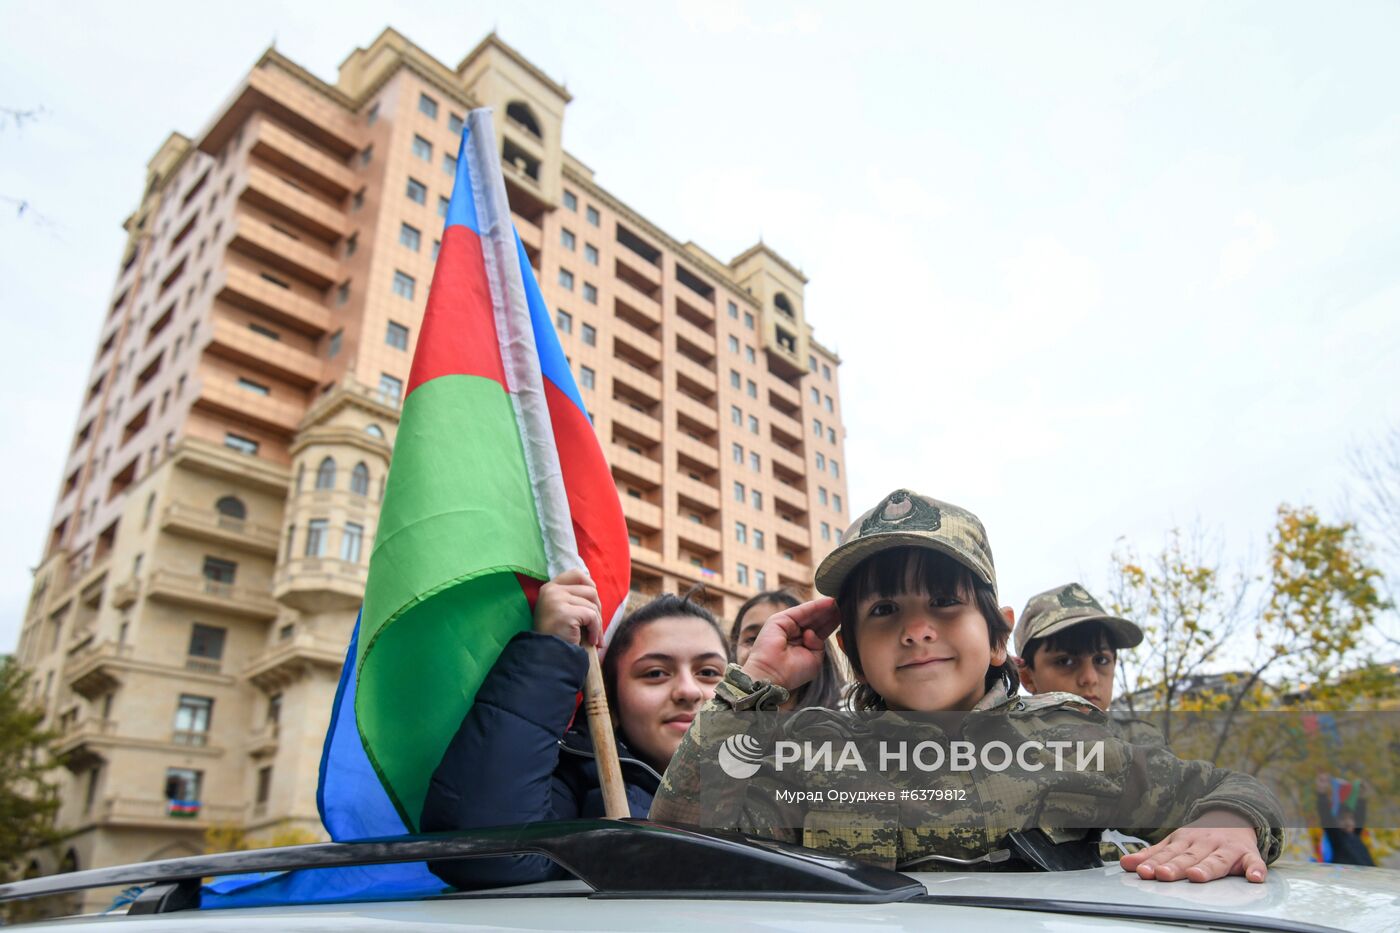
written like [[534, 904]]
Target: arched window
[[374, 430], [520, 112], [325, 474], [359, 480], [780, 301], [231, 507]]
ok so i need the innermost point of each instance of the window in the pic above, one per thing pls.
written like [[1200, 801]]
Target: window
[[738, 492], [836, 501], [257, 388], [821, 461], [751, 389], [192, 720], [753, 424], [350, 542], [359, 479], [835, 469], [741, 532], [589, 334], [316, 537], [812, 363], [403, 285], [755, 462], [449, 164], [734, 379], [840, 538], [816, 396], [760, 580], [422, 148], [358, 201], [816, 427], [830, 405], [417, 191], [373, 116], [733, 344], [333, 345], [182, 786], [410, 237], [240, 443], [218, 570], [570, 200], [374, 430], [590, 293], [821, 495], [734, 311], [390, 389], [738, 452], [427, 106], [758, 500], [590, 254], [741, 574], [831, 435], [749, 354], [443, 205], [758, 539], [566, 238], [264, 784], [437, 245], [206, 641], [564, 322], [231, 507], [454, 124], [353, 243], [736, 415], [748, 319], [396, 336], [593, 217], [826, 372], [586, 377], [826, 532], [342, 293], [566, 279]]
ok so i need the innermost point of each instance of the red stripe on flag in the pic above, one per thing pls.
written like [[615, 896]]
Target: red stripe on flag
[[599, 528], [458, 336]]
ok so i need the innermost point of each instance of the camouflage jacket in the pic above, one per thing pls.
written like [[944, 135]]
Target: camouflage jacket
[[898, 815]]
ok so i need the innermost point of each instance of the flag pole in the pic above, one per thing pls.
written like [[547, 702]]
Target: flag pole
[[595, 704]]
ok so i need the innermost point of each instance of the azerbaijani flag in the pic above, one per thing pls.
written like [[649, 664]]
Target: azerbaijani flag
[[497, 484]]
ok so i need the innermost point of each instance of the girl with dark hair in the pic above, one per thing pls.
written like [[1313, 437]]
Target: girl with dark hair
[[516, 758], [824, 690]]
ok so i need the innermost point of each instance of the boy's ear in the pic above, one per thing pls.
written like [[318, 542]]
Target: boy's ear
[[1010, 615], [1027, 674]]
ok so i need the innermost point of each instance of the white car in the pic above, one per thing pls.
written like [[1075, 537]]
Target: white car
[[636, 875]]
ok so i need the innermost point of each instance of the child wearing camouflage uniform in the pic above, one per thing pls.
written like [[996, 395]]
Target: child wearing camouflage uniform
[[920, 623]]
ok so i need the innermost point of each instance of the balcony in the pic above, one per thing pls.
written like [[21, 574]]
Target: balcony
[[648, 387], [277, 146], [304, 112], [632, 266], [696, 411], [250, 290], [209, 525], [699, 451], [96, 669], [262, 354], [788, 394], [289, 661], [786, 430], [240, 405], [703, 377], [644, 306], [211, 595], [635, 468], [641, 515], [287, 201], [295, 257], [262, 741], [319, 584], [155, 814], [630, 342], [126, 593], [80, 747], [530, 234], [792, 536], [637, 422], [702, 494], [788, 461], [698, 537], [688, 332]]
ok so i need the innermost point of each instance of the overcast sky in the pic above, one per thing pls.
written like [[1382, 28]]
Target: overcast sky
[[1095, 270]]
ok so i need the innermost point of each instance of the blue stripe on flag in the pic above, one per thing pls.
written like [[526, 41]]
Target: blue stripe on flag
[[553, 365], [462, 208]]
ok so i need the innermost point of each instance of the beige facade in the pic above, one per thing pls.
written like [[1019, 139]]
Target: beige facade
[[209, 545]]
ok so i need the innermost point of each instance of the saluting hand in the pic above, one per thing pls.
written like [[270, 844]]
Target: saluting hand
[[568, 607], [789, 648]]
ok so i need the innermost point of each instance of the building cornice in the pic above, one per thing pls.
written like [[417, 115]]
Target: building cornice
[[761, 247], [494, 41]]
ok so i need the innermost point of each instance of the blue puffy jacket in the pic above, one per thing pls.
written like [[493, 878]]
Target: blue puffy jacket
[[512, 761]]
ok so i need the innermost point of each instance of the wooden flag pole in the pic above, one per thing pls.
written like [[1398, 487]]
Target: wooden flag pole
[[595, 704]]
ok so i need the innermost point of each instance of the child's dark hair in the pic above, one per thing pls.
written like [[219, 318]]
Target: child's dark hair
[[666, 605], [1084, 638], [885, 575], [824, 690]]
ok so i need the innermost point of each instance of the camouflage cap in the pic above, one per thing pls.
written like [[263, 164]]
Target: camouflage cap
[[906, 519], [1058, 609]]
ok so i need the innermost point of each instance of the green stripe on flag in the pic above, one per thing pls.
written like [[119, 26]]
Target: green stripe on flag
[[458, 522]]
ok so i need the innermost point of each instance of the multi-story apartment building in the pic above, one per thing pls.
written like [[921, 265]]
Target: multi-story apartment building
[[208, 549]]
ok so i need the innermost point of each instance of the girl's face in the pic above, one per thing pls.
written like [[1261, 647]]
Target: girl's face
[[748, 629], [669, 670], [922, 653]]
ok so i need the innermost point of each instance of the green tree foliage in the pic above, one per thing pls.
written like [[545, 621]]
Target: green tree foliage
[[28, 802]]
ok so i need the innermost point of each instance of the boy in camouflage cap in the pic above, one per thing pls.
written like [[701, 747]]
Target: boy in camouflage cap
[[1068, 643]]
